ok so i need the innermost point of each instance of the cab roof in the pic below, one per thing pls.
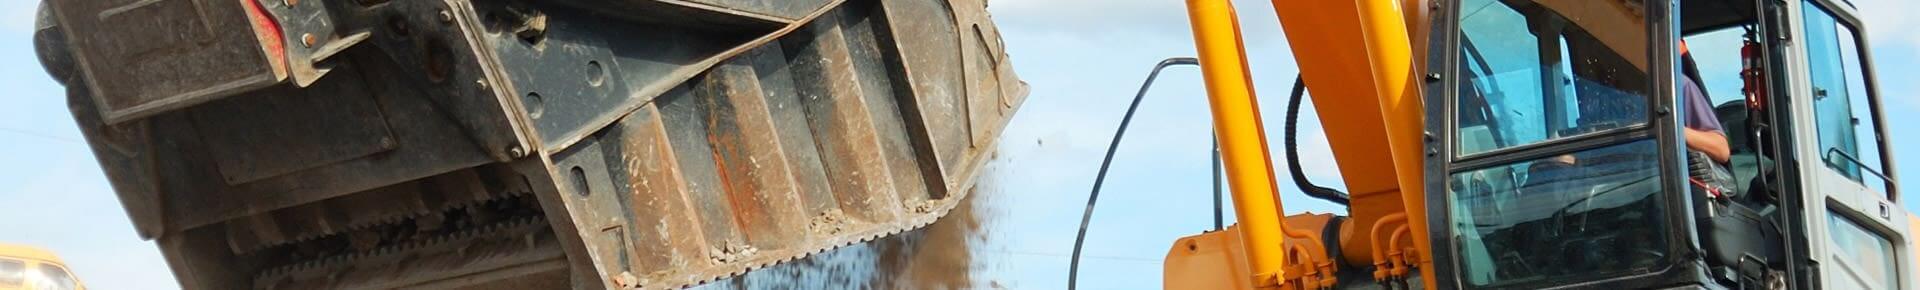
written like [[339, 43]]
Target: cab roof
[[1708, 15], [28, 253]]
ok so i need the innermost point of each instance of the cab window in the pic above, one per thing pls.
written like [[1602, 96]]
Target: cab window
[[1848, 141], [1718, 54], [13, 273], [1533, 74], [1545, 73], [54, 278], [1867, 254]]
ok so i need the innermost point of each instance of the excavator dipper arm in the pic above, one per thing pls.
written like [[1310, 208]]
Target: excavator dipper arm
[[1358, 58]]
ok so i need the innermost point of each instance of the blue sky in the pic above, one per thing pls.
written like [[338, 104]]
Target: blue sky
[[1083, 58]]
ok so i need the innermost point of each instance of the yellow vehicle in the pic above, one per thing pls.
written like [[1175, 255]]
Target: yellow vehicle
[[1484, 144], [1539, 144], [24, 268]]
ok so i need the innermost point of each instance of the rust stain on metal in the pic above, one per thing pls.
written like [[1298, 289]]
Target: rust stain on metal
[[772, 139], [660, 202], [752, 168], [839, 114]]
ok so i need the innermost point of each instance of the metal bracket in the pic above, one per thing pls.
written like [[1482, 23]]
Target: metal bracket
[[309, 35]]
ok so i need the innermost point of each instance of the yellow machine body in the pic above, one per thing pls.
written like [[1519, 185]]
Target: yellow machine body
[[1363, 76], [1213, 260], [1364, 62]]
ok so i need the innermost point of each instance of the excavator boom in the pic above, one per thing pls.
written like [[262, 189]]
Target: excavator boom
[[1364, 83]]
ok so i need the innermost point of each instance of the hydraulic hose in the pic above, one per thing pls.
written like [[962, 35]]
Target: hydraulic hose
[[1293, 161], [1293, 151], [1073, 269], [1219, 221]]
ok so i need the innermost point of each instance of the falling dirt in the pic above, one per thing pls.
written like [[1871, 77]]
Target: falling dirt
[[938, 256]]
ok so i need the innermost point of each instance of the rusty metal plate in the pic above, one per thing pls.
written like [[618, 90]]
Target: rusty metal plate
[[785, 9], [145, 57], [927, 41], [286, 129], [786, 149], [572, 78], [707, 14], [666, 148], [428, 140]]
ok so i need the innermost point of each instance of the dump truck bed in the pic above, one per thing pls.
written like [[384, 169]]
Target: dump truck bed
[[527, 144]]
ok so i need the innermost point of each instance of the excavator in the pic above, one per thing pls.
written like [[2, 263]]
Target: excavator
[[1538, 144], [506, 144]]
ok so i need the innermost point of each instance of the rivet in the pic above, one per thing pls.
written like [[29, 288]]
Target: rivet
[[307, 39], [446, 17], [399, 26], [516, 152]]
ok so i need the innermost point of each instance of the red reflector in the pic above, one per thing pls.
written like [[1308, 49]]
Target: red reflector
[[268, 31]]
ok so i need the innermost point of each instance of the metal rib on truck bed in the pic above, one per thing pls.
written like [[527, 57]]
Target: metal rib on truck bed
[[531, 144]]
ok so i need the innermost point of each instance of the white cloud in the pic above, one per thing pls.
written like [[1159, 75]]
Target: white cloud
[[1891, 21], [1138, 21], [18, 15], [1087, 14], [1889, 25]]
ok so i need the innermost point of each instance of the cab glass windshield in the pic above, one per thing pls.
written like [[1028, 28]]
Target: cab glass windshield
[[13, 273], [1538, 73], [50, 277]]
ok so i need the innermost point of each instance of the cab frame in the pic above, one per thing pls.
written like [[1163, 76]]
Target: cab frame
[[1808, 193]]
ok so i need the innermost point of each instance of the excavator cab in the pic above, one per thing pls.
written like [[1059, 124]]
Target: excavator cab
[[1560, 164], [1556, 154]]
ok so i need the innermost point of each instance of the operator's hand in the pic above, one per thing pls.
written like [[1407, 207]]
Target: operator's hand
[[1567, 159]]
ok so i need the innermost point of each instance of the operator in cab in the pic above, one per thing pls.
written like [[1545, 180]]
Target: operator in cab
[[1702, 131]]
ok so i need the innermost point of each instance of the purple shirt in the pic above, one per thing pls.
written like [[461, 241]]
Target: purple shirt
[[1699, 111]]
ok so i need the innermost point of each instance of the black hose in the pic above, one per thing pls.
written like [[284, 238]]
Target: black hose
[[1219, 221], [1293, 151], [1073, 270]]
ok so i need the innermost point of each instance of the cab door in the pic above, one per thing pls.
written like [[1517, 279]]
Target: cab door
[[1556, 160], [1855, 232]]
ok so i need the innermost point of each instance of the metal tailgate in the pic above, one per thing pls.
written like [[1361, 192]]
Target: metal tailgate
[[502, 144]]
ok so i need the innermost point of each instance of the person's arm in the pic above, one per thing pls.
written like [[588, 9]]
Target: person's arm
[[1702, 128], [1713, 143]]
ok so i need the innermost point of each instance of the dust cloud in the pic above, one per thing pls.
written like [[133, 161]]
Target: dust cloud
[[938, 256]]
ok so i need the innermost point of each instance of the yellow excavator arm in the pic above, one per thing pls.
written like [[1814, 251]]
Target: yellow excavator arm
[[1613, 197], [1363, 71]]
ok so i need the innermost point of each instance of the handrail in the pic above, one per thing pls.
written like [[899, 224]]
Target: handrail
[[1079, 240], [1891, 184]]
